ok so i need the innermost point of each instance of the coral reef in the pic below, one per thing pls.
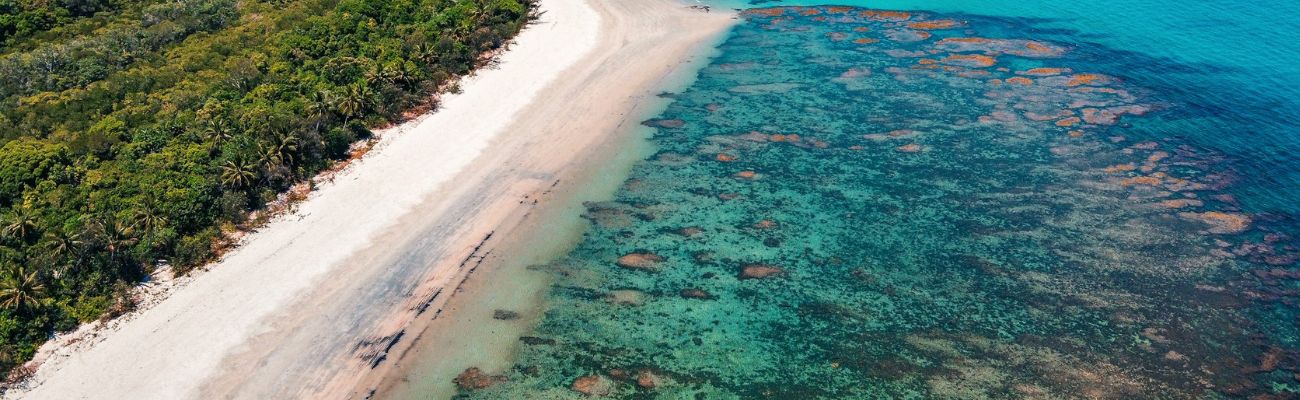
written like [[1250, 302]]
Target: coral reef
[[911, 210]]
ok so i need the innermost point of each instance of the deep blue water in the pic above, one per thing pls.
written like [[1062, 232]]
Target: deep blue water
[[1238, 60], [974, 201]]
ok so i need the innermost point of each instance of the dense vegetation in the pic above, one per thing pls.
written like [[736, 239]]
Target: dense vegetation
[[134, 132]]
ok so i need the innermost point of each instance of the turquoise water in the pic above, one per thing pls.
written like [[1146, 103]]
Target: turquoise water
[[993, 201]]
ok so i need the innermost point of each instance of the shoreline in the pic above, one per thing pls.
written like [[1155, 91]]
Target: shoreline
[[294, 311], [466, 333]]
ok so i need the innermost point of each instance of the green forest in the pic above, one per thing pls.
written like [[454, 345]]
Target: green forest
[[136, 133]]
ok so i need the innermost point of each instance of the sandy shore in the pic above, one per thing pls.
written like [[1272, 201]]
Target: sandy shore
[[316, 302], [622, 88]]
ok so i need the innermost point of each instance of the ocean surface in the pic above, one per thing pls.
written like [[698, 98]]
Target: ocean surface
[[962, 200]]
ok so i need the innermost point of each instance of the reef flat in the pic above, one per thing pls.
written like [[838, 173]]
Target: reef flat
[[855, 203]]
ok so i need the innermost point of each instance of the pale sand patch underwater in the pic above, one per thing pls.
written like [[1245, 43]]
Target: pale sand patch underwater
[[293, 312]]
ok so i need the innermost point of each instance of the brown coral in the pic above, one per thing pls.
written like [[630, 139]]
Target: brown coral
[[1046, 71], [1020, 80], [475, 379], [1181, 203], [647, 379], [593, 385], [1141, 180], [909, 148], [1220, 222], [1067, 122], [665, 123], [1119, 168], [1087, 79], [760, 271], [695, 294], [970, 60], [766, 12], [881, 15], [640, 261], [934, 25]]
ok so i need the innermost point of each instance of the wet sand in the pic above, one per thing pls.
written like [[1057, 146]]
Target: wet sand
[[469, 332], [322, 302]]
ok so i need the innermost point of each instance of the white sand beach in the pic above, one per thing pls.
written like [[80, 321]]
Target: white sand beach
[[313, 302]]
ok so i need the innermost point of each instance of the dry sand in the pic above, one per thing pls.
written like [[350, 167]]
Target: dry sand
[[312, 302]]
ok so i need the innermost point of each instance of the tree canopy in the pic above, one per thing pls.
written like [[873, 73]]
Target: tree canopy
[[131, 131]]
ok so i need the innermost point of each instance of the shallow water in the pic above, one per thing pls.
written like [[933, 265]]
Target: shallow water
[[861, 204]]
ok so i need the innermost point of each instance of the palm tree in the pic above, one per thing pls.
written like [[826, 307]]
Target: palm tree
[[21, 222], [59, 245], [238, 173], [149, 219], [318, 107], [217, 130], [116, 236], [426, 53], [403, 76], [354, 100], [20, 289], [280, 152], [378, 74]]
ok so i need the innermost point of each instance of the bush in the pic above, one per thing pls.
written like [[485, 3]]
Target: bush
[[194, 250]]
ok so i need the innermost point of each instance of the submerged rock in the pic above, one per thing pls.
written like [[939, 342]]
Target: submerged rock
[[475, 379], [760, 271], [765, 12], [665, 123], [1087, 79], [1019, 47], [937, 24], [907, 35], [1269, 361], [647, 379], [690, 231], [883, 15], [627, 297], [1141, 181], [618, 373], [1045, 71], [909, 148], [970, 60], [593, 385], [1181, 203], [536, 341], [1117, 168], [1109, 116], [696, 294], [505, 315], [1068, 122], [1020, 80], [1220, 222], [640, 261]]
